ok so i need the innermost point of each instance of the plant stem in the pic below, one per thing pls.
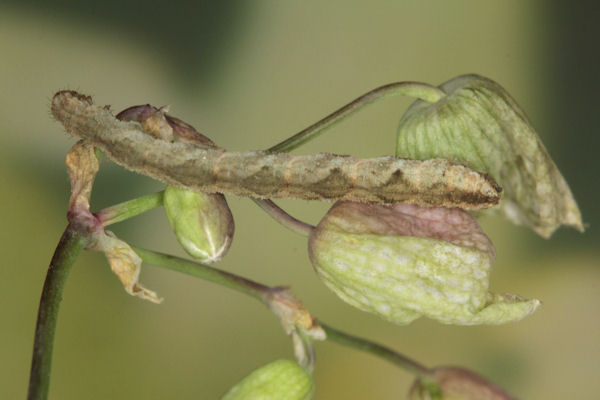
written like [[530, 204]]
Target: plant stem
[[284, 218], [205, 272], [414, 89], [419, 90], [260, 292], [70, 245], [378, 350], [131, 208]]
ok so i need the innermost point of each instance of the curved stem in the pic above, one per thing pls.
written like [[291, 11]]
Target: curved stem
[[205, 272], [419, 90], [284, 218], [70, 245], [131, 208], [260, 292], [378, 350]]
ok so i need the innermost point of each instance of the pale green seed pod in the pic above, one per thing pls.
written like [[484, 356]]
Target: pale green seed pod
[[202, 222], [281, 379], [403, 261], [479, 124]]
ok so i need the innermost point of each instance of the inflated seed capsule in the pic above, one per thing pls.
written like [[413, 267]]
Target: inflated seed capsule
[[404, 261], [281, 379], [479, 124]]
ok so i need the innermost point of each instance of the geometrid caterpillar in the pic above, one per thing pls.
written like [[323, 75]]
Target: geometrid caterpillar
[[206, 168]]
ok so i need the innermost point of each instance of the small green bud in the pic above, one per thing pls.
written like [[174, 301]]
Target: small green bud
[[479, 124], [281, 379], [403, 261], [202, 222], [459, 384]]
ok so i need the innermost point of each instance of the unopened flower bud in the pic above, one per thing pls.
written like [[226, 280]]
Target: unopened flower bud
[[281, 379], [403, 261], [202, 222], [479, 124], [459, 384]]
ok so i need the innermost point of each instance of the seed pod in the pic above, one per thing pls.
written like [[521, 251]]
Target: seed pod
[[459, 384], [281, 379], [403, 261], [202, 222], [479, 124]]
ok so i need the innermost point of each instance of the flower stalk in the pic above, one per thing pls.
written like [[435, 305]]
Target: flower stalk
[[422, 91], [399, 360], [70, 245], [263, 293], [129, 209], [253, 289]]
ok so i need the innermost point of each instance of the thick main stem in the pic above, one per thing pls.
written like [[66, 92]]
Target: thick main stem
[[70, 245]]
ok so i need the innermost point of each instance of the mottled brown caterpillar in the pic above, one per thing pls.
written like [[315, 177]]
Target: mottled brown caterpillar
[[192, 165]]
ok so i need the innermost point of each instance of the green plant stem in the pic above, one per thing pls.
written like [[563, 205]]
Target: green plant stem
[[386, 353], [419, 90], [284, 218], [72, 242], [205, 272], [131, 208], [70, 245], [260, 292]]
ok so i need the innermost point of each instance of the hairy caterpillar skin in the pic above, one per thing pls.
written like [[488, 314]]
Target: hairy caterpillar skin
[[205, 168]]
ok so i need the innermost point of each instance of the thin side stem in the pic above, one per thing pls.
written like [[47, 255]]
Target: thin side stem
[[284, 218], [414, 89], [70, 245], [378, 350], [419, 90], [205, 272], [131, 208], [260, 292]]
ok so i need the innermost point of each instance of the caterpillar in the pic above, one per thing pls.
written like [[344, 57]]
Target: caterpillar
[[204, 167]]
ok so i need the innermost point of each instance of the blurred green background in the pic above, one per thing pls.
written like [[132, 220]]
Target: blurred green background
[[249, 74]]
